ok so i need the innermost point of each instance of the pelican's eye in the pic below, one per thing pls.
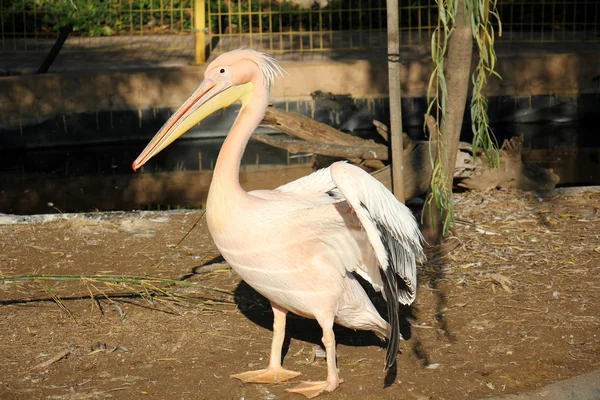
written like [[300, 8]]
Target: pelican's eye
[[222, 70]]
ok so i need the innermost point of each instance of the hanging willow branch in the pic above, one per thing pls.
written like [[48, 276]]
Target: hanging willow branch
[[437, 93], [437, 97], [483, 33]]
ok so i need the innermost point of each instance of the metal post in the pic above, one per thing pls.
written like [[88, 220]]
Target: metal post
[[395, 136], [199, 34]]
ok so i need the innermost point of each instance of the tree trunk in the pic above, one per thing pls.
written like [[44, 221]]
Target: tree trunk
[[396, 146], [458, 69]]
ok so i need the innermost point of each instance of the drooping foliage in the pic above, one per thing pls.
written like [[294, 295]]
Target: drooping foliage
[[482, 15]]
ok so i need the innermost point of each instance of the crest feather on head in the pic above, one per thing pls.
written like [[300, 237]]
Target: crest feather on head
[[268, 66]]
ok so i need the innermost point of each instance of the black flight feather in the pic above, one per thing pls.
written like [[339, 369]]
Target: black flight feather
[[394, 287]]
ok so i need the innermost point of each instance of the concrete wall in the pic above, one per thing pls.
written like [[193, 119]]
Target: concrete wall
[[29, 100]]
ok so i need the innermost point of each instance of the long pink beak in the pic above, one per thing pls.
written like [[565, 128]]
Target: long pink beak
[[188, 115]]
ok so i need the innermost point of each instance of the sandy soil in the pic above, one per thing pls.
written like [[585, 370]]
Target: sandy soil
[[516, 306]]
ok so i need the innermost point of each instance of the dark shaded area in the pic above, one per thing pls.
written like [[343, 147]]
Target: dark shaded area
[[432, 278], [33, 177], [257, 309], [544, 120], [308, 330], [420, 352], [115, 159], [390, 376], [431, 275], [63, 34]]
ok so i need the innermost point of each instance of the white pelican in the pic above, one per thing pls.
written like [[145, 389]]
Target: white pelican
[[299, 245]]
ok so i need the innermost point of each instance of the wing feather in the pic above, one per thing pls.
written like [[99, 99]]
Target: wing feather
[[317, 183], [309, 191], [394, 235], [391, 234], [390, 226]]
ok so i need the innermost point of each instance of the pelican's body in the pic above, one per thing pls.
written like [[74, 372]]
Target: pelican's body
[[298, 245], [286, 245]]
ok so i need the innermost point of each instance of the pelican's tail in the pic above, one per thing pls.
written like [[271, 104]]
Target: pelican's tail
[[384, 334]]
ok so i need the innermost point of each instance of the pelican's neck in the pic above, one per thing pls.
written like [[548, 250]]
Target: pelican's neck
[[226, 176]]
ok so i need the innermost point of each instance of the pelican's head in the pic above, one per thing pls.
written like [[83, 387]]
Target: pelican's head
[[229, 78]]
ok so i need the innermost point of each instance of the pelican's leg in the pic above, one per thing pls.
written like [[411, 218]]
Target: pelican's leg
[[275, 372], [313, 389]]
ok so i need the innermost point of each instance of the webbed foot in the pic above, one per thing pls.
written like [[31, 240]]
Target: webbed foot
[[269, 375], [313, 389]]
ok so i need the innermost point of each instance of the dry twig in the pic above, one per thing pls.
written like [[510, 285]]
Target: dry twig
[[54, 359]]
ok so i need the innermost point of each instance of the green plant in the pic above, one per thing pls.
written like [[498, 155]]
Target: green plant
[[483, 33], [95, 17], [479, 13], [437, 97]]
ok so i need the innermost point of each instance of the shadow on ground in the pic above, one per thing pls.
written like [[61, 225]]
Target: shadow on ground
[[257, 309]]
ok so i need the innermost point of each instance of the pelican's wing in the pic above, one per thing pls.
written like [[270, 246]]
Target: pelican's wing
[[392, 232], [317, 183], [389, 225], [309, 191]]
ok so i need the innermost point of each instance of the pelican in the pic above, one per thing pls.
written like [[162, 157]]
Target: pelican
[[300, 244]]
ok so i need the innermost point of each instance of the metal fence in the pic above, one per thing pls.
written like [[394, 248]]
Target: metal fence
[[327, 25], [28, 26], [200, 27], [339, 25], [550, 21]]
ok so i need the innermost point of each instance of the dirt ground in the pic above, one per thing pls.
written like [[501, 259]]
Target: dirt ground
[[516, 306]]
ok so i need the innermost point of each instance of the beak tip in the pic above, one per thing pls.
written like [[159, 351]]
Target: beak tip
[[134, 166]]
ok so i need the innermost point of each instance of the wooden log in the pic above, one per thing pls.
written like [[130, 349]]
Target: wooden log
[[326, 149], [469, 173], [382, 129], [512, 173], [473, 174], [370, 165], [310, 130], [417, 171]]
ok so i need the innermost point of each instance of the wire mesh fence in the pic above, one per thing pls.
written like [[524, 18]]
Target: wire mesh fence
[[550, 21], [336, 25], [327, 25], [200, 27], [33, 25]]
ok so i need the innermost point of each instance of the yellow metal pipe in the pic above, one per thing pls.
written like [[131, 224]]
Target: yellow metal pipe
[[199, 35]]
